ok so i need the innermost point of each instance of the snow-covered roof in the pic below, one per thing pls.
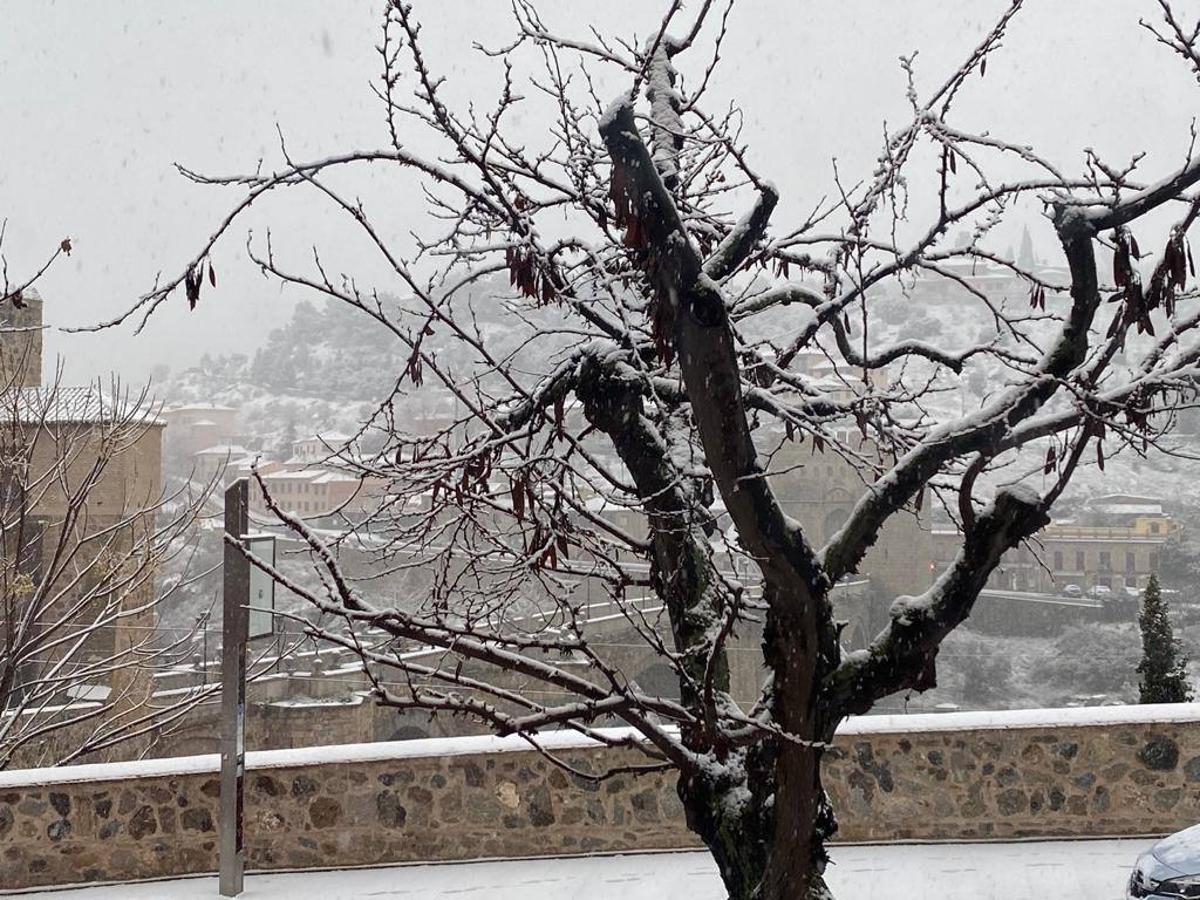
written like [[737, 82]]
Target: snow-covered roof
[[224, 450], [295, 475], [82, 404], [198, 407], [90, 692], [1123, 498], [313, 702], [1128, 509], [329, 476]]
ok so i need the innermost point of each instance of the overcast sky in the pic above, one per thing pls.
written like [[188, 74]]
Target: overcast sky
[[97, 101]]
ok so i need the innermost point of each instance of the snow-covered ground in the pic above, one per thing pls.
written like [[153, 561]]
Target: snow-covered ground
[[1096, 870]]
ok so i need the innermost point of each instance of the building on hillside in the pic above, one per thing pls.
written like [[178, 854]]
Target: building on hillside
[[964, 277], [318, 447], [221, 463], [314, 491], [196, 426], [313, 481], [1114, 542]]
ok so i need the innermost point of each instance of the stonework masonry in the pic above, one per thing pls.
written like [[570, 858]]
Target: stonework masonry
[[1066, 773]]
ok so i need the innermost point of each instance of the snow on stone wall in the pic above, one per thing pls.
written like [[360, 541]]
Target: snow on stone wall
[[1119, 772]]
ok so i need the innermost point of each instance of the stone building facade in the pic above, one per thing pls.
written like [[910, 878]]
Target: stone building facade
[[821, 489], [80, 483]]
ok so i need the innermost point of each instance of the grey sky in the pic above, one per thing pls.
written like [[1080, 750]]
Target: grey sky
[[98, 100]]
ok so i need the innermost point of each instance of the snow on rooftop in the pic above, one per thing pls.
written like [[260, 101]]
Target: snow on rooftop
[[195, 407], [294, 475], [1095, 869], [313, 702], [1128, 509], [84, 404], [333, 475], [88, 692], [224, 450]]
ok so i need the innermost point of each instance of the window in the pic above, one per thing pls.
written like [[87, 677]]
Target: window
[[1154, 526], [1058, 560], [1079, 563], [1105, 559], [1153, 562], [1130, 563]]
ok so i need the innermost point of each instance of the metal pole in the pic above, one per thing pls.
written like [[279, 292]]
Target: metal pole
[[202, 623], [234, 628]]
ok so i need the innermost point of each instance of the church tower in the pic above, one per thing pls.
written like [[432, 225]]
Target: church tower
[[1026, 258]]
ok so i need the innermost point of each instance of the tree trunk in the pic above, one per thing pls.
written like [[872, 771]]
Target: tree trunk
[[762, 811], [803, 821], [765, 850], [768, 831]]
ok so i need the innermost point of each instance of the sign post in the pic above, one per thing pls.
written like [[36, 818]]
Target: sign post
[[235, 629], [261, 587]]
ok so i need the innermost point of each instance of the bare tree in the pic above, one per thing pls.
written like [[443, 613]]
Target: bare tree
[[84, 531], [645, 359]]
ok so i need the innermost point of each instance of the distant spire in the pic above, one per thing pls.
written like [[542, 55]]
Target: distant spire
[[1025, 258]]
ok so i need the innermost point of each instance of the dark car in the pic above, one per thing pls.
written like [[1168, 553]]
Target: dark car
[[1170, 869]]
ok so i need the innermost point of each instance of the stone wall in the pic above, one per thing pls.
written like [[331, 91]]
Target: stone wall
[[356, 805], [1123, 771], [1114, 771]]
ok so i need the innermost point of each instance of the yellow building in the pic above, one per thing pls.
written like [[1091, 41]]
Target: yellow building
[[1115, 542]]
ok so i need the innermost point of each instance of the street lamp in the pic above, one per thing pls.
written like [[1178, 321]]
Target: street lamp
[[202, 624]]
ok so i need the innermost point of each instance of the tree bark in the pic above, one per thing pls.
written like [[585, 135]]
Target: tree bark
[[781, 851]]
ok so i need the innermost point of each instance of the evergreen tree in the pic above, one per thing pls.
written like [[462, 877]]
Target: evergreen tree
[[1163, 666]]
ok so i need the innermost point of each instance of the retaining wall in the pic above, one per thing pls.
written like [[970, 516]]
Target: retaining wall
[[1062, 773]]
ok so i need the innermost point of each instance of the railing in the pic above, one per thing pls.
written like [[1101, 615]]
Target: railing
[[1099, 533]]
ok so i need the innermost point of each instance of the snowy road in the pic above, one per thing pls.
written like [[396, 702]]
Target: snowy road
[[1093, 869]]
